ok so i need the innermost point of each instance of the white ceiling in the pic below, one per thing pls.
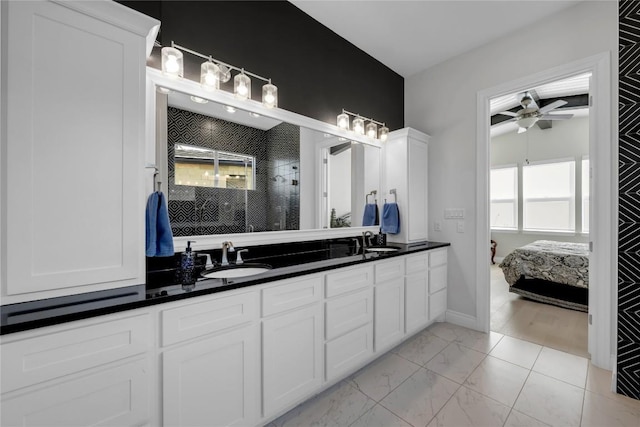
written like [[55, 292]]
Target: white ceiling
[[411, 36]]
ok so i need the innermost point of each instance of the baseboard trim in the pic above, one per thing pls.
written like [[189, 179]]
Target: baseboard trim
[[461, 319]]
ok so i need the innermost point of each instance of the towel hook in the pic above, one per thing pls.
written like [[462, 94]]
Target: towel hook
[[157, 185]]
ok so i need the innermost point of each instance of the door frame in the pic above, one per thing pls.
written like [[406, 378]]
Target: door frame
[[603, 200]]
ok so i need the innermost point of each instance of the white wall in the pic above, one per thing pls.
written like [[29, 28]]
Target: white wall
[[565, 139], [441, 101]]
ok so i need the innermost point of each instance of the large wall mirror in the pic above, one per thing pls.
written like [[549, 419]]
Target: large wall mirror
[[228, 170]]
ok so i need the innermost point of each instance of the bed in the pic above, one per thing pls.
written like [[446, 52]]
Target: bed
[[551, 272]]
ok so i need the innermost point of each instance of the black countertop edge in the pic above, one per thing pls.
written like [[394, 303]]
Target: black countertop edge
[[208, 286]]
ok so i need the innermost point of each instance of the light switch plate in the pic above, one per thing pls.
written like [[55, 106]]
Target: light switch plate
[[437, 226], [460, 226], [454, 213]]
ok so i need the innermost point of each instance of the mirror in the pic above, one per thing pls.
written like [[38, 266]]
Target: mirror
[[231, 171]]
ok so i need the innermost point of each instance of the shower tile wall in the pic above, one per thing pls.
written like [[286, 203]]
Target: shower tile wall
[[203, 210], [628, 364], [283, 151]]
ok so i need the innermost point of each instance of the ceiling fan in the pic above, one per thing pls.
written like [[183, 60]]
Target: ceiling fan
[[531, 112]]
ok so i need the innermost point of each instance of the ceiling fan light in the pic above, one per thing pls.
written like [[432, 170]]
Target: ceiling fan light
[[527, 122]]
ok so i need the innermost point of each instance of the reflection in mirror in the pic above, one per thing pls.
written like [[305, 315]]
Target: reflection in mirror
[[230, 172]]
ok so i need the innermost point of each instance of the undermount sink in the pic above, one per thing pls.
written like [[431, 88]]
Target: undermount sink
[[382, 249], [234, 271]]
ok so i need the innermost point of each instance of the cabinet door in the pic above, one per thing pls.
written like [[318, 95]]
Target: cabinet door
[[74, 146], [292, 357], [389, 313], [417, 194], [117, 396], [214, 381], [416, 301]]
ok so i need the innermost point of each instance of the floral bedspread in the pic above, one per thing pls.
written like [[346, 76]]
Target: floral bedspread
[[559, 262]]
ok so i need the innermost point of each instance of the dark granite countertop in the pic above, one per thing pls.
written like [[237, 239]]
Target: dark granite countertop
[[36, 314]]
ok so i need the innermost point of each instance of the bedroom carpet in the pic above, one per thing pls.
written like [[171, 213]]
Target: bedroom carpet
[[555, 327], [449, 376]]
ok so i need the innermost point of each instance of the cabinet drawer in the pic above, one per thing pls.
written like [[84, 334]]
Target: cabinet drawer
[[390, 269], [437, 304], [195, 320], [348, 312], [349, 350], [437, 278], [291, 294], [349, 279], [417, 263], [437, 257], [118, 396], [42, 358]]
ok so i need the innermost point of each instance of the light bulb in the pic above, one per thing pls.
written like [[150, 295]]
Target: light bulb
[[358, 126], [343, 121], [172, 64], [270, 95], [242, 86], [372, 130], [384, 133], [242, 89]]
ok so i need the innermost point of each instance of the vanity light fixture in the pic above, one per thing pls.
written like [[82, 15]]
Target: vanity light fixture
[[343, 121], [242, 85], [213, 72], [172, 62], [269, 95], [384, 133], [371, 129], [210, 75], [358, 125]]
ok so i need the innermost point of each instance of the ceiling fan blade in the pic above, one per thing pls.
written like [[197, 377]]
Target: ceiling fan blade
[[553, 105], [556, 116], [508, 113]]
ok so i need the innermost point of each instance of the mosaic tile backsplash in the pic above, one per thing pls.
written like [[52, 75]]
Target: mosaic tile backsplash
[[203, 210]]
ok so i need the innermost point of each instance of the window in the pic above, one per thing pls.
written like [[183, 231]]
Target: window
[[504, 198], [548, 193], [585, 195]]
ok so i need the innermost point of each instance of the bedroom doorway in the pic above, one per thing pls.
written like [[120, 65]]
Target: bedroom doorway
[[539, 213], [600, 216]]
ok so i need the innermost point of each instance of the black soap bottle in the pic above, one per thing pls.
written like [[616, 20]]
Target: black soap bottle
[[187, 265]]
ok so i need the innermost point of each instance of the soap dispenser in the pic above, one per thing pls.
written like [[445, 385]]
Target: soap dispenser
[[187, 265]]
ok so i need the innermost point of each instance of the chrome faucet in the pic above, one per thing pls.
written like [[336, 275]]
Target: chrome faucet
[[366, 236], [226, 247]]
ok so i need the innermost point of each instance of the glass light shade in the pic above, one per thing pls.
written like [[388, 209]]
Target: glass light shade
[[384, 133], [358, 125], [372, 130], [270, 96], [210, 76], [527, 122], [343, 121], [172, 62], [242, 86]]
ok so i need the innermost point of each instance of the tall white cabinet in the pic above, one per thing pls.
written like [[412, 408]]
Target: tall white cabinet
[[72, 148], [405, 170]]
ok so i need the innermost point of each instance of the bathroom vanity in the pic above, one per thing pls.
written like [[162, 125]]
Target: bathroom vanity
[[240, 353]]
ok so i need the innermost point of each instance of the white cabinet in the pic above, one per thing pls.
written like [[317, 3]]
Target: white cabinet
[[73, 80], [213, 381], [88, 372], [416, 293], [437, 283], [291, 357], [389, 303], [405, 170]]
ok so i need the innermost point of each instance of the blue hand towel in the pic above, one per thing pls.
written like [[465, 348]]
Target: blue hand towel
[[390, 219], [371, 215], [159, 241]]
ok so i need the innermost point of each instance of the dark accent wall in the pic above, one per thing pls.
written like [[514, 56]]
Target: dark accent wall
[[629, 201], [318, 73]]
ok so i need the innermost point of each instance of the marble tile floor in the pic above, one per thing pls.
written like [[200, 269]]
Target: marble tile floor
[[543, 324], [452, 376]]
